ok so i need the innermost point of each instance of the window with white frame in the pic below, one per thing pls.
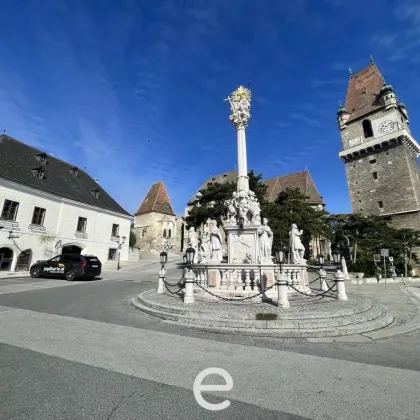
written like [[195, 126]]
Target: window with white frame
[[115, 230], [38, 216], [10, 210], [81, 224]]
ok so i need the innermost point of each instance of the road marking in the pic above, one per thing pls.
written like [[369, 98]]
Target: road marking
[[310, 386]]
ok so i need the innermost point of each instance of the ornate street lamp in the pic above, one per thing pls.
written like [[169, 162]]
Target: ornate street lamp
[[163, 259], [280, 255], [190, 256], [336, 256], [321, 260]]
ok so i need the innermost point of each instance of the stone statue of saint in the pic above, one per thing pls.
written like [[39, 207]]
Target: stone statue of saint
[[254, 209], [206, 246], [297, 250], [193, 243], [231, 211], [265, 235], [216, 244]]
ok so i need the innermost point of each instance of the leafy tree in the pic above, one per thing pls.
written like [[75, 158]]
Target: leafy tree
[[291, 206], [133, 239]]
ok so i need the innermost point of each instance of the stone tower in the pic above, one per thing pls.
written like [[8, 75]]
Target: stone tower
[[378, 150]]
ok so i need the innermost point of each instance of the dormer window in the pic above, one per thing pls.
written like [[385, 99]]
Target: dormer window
[[95, 192], [74, 171], [42, 158], [38, 173]]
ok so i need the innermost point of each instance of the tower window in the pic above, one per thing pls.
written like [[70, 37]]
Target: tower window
[[169, 233], [375, 175], [367, 129], [164, 233], [372, 161], [358, 192], [381, 204]]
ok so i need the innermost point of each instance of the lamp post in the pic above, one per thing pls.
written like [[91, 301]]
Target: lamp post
[[336, 257], [384, 254], [120, 243], [321, 260], [162, 272], [281, 279], [189, 276], [322, 273]]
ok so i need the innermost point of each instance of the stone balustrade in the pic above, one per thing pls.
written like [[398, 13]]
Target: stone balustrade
[[238, 280]]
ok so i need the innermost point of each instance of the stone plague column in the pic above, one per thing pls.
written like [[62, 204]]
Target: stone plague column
[[240, 103], [243, 245]]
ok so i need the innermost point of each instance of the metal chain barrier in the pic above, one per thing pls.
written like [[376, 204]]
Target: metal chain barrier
[[315, 295], [181, 286], [173, 285], [234, 299]]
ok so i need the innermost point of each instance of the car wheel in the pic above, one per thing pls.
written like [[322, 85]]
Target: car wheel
[[70, 275], [35, 272]]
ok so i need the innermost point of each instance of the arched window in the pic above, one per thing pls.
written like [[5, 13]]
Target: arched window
[[367, 129], [169, 233], [164, 233], [143, 232]]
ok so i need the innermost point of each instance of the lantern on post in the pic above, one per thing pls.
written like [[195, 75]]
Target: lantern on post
[[336, 256], [321, 260], [190, 252], [163, 258]]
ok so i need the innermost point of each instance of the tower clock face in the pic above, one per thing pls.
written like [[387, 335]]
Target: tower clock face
[[386, 127]]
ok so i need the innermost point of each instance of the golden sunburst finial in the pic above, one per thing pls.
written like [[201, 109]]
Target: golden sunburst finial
[[241, 93]]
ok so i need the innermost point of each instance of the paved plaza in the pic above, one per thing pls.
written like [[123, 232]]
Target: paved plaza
[[80, 350]]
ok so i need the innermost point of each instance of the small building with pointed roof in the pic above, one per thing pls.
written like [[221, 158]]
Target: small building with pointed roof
[[155, 222]]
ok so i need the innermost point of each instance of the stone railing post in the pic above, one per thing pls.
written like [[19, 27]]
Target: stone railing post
[[323, 276], [282, 300], [189, 287], [248, 280], [341, 288], [161, 284], [256, 280]]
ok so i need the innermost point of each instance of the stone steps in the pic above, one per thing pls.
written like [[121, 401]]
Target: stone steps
[[358, 316]]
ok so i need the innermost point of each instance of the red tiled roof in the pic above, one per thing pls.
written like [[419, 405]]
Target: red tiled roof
[[363, 91], [300, 180], [221, 179], [156, 200]]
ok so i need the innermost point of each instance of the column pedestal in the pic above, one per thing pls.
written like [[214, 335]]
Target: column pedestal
[[242, 242]]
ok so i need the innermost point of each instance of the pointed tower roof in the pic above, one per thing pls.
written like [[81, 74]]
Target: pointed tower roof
[[363, 91], [156, 200]]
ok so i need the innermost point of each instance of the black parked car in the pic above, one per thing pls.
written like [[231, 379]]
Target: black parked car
[[69, 266]]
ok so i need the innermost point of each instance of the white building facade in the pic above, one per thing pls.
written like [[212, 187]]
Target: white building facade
[[37, 224]]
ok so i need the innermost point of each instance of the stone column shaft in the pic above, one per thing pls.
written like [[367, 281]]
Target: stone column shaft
[[242, 161]]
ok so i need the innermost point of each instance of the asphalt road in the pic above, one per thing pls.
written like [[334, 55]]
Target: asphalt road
[[80, 351]]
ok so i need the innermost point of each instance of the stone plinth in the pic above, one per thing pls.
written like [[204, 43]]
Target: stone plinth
[[242, 242]]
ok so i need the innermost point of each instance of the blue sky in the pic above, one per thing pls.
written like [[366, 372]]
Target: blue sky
[[133, 90]]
